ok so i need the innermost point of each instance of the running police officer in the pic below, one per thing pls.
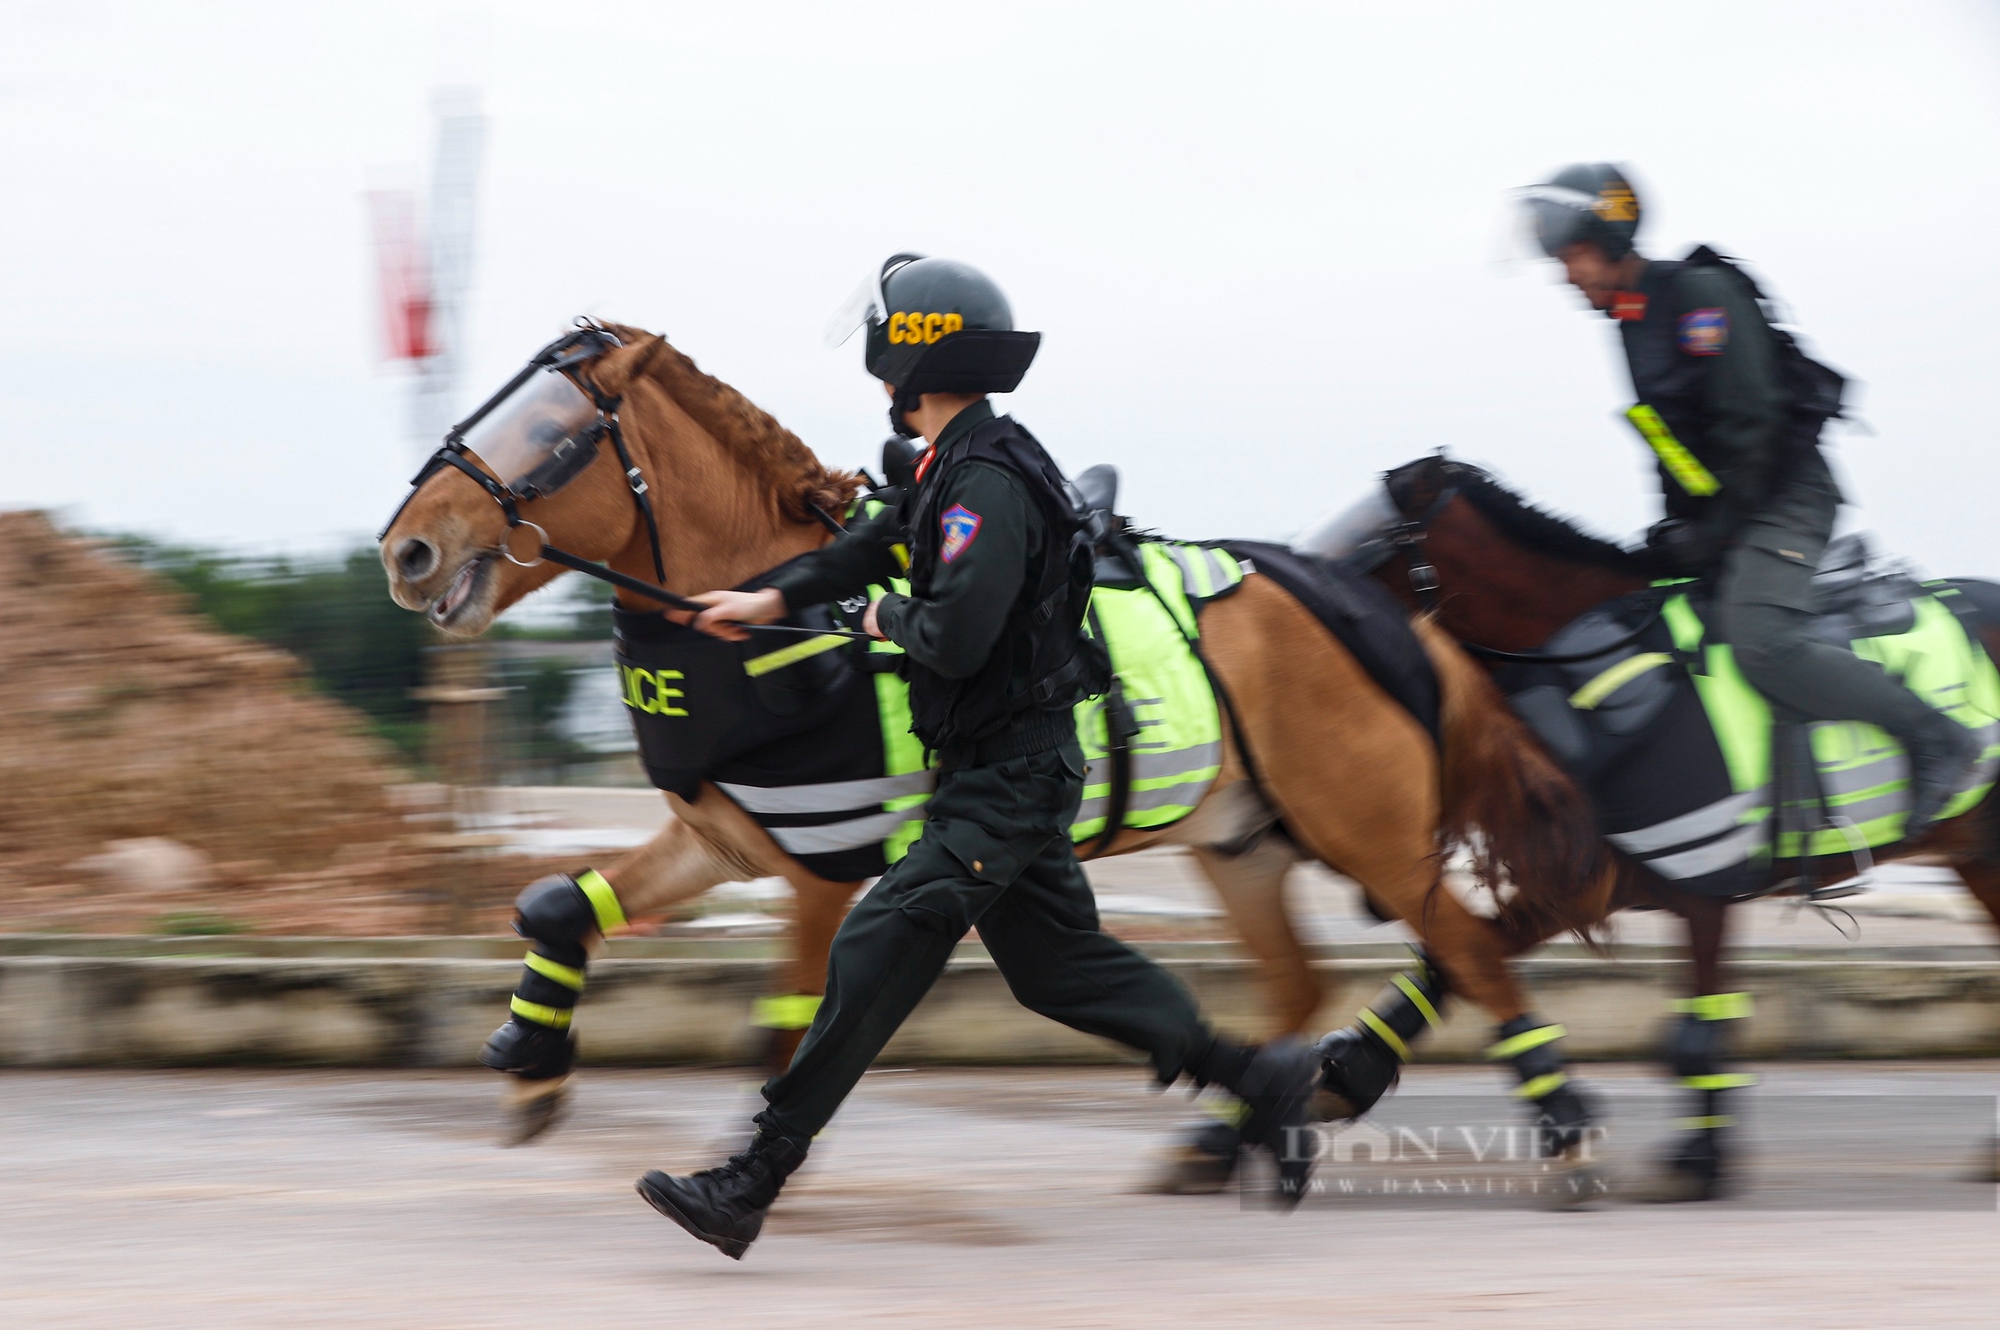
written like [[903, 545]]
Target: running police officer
[[999, 576], [1733, 410]]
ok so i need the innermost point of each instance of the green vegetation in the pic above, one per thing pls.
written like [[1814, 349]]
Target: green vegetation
[[196, 924], [335, 615]]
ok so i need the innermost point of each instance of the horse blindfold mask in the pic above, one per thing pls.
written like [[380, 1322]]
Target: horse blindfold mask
[[541, 438]]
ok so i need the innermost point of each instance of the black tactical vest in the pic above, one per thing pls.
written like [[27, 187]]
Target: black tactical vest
[[1674, 383], [1042, 661]]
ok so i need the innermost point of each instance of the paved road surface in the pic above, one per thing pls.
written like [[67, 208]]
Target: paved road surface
[[941, 1198]]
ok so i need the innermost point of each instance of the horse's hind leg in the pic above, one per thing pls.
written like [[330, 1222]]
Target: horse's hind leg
[[1982, 879], [785, 1018], [1251, 885]]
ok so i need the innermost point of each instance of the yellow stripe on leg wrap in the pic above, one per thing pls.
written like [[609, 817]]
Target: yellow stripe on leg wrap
[[1417, 999], [1387, 1035], [789, 1011], [603, 900], [1715, 1006], [556, 1018], [1229, 1109], [548, 969], [1542, 1085], [1726, 1081], [1527, 1039]]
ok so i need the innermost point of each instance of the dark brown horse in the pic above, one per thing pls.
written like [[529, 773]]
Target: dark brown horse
[[1499, 574]]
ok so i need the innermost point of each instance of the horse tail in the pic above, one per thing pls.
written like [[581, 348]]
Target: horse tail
[[1518, 814]]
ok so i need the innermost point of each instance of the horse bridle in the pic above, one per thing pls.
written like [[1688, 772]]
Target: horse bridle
[[586, 342], [1407, 537]]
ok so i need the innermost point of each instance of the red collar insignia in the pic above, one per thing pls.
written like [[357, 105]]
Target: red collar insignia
[[924, 462], [1628, 306]]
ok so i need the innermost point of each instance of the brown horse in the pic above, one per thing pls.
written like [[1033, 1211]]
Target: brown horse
[[1343, 773], [1499, 574]]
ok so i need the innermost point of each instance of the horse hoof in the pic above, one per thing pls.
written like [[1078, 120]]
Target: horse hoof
[[1189, 1172], [1676, 1186], [529, 1108], [1200, 1164], [1576, 1186]]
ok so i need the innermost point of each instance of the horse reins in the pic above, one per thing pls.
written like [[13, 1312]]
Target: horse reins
[[586, 343], [1408, 537]]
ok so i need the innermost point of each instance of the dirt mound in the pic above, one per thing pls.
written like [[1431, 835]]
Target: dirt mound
[[155, 770]]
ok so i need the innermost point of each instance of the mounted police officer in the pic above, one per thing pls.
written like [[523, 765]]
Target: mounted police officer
[[999, 577], [1732, 409]]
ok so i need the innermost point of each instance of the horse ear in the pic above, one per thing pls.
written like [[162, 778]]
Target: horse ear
[[614, 371]]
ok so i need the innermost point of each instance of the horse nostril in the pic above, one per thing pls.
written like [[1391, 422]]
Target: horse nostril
[[416, 558]]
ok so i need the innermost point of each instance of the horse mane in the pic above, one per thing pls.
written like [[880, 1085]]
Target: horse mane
[[749, 434], [1533, 528]]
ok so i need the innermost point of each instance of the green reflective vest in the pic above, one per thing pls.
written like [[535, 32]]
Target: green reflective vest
[[1863, 774], [1178, 751]]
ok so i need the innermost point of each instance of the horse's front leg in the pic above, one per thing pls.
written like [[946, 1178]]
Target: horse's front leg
[[565, 918], [1695, 1167]]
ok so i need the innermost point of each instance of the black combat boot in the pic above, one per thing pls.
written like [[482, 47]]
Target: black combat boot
[[725, 1206], [1942, 754], [1275, 1081], [1360, 1063]]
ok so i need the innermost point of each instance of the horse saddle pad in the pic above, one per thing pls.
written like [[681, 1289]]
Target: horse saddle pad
[[811, 737], [1688, 770]]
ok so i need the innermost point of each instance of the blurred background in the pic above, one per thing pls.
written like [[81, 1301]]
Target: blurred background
[[254, 259], [258, 257]]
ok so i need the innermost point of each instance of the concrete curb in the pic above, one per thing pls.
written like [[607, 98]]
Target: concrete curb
[[434, 1010]]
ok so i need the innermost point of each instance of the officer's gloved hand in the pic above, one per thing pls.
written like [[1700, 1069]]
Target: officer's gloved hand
[[1677, 548]]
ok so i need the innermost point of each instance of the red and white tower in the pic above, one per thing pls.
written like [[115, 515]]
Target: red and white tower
[[423, 261]]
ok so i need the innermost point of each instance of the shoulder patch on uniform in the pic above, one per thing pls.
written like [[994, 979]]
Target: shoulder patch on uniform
[[960, 525], [1704, 332]]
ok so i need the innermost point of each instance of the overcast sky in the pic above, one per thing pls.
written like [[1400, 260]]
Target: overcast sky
[[1265, 243]]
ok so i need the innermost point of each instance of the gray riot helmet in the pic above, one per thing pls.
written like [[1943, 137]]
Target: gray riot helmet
[[1590, 203], [936, 326]]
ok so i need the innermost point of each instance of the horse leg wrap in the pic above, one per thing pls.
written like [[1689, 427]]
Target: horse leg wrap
[[785, 1011], [557, 915], [1562, 1115], [1360, 1062], [1694, 1053]]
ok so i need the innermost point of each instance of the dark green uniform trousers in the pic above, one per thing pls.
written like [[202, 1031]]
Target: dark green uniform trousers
[[995, 852], [1764, 611]]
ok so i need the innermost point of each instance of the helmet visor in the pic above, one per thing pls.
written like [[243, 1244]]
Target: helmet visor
[[540, 437], [868, 305], [1557, 216], [856, 312]]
